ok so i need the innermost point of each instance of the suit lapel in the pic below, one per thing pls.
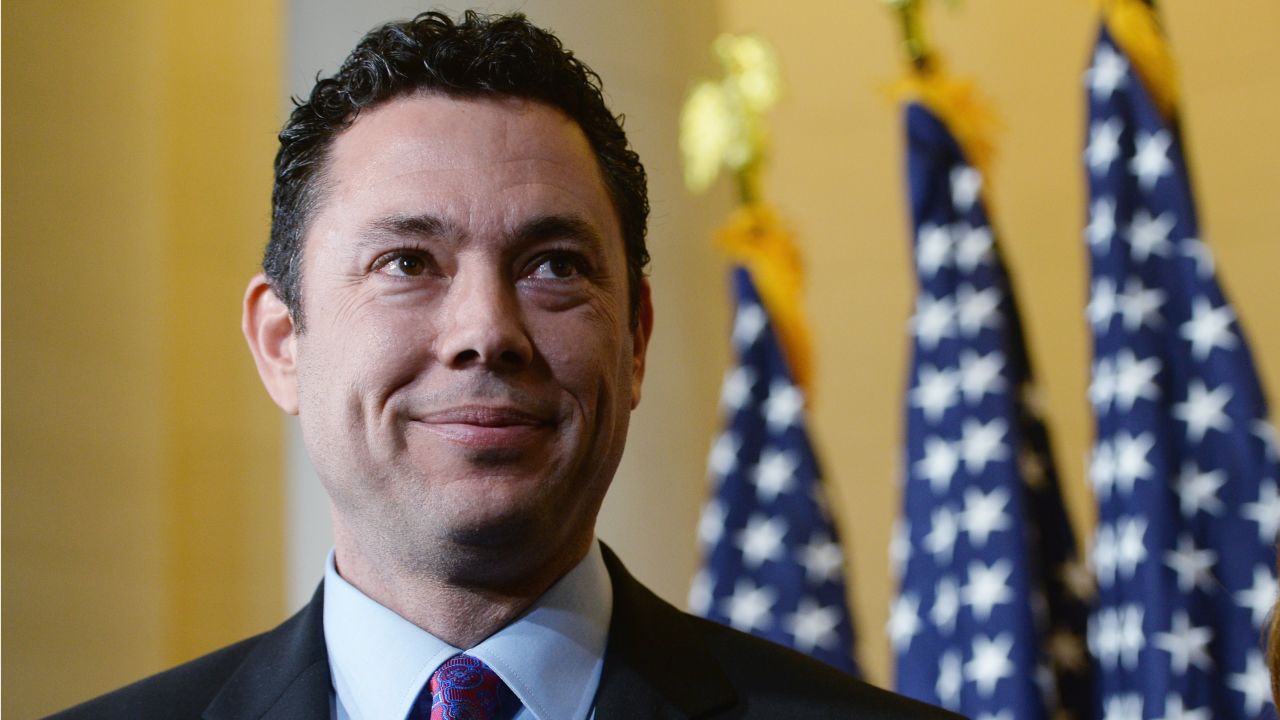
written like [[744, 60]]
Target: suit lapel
[[284, 677], [654, 666]]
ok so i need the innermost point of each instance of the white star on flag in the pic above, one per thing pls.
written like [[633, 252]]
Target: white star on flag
[[1131, 549], [1102, 388], [941, 540], [977, 310], [1260, 597], [933, 248], [822, 559], [1104, 144], [973, 248], [724, 454], [1108, 72], [981, 375], [987, 587], [1123, 707], [1131, 462], [1200, 254], [749, 607], [1102, 470], [1204, 409], [990, 662], [1209, 327], [984, 514], [1175, 710], [747, 325], [1103, 303], [1254, 683], [1135, 379], [1102, 224], [946, 605], [1192, 565], [1265, 512], [934, 320], [736, 388], [1187, 645], [1150, 236], [966, 183], [935, 391], [761, 540], [950, 678], [1131, 636], [813, 625], [776, 474], [1198, 490], [784, 405], [700, 593], [1105, 554], [1152, 159], [904, 621], [1140, 306], [711, 523], [939, 463], [982, 443]]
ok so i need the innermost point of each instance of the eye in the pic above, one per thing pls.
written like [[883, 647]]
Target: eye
[[402, 263], [558, 266]]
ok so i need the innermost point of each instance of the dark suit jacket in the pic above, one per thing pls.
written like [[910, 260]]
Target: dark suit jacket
[[659, 663]]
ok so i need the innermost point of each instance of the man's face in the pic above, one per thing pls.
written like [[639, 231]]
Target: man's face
[[468, 366]]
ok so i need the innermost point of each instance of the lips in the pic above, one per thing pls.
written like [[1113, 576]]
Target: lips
[[487, 426]]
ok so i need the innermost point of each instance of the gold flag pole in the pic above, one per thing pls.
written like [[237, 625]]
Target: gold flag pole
[[914, 40]]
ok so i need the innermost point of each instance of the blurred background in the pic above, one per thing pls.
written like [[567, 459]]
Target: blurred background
[[156, 505]]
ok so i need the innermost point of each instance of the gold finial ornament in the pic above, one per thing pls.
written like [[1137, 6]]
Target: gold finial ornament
[[722, 123]]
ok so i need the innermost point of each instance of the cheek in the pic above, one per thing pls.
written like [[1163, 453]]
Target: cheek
[[357, 363]]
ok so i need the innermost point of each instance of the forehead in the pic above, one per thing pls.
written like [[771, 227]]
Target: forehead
[[476, 161]]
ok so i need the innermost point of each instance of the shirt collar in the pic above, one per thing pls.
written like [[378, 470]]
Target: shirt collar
[[550, 657]]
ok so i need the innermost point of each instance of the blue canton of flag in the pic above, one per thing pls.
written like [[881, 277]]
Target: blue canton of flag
[[772, 561], [1184, 466], [990, 618]]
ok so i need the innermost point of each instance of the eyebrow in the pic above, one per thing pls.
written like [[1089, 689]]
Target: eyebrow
[[423, 226], [427, 226], [548, 227]]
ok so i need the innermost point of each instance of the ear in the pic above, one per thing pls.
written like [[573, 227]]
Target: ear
[[268, 328], [640, 340]]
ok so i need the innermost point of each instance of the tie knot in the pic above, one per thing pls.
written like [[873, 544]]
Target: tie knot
[[463, 688]]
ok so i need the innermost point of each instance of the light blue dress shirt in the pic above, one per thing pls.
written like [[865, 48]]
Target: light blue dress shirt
[[550, 657]]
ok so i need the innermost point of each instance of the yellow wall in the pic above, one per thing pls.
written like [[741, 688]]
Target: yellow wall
[[141, 513], [837, 174]]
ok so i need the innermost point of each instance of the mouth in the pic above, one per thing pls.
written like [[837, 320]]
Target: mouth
[[487, 426]]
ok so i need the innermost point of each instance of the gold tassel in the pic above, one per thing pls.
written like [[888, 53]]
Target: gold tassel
[[1136, 29], [755, 238], [957, 103]]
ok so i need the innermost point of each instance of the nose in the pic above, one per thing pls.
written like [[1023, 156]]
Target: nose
[[483, 324]]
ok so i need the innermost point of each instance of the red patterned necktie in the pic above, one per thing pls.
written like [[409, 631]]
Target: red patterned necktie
[[463, 688]]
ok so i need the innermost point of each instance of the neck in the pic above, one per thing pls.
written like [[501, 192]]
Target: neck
[[462, 601]]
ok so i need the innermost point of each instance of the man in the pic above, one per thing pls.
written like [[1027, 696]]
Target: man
[[453, 303]]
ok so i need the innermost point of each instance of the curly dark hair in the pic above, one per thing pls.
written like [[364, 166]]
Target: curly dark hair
[[483, 55]]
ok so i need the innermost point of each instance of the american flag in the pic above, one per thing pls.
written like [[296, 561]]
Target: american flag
[[1184, 464], [990, 617], [772, 562]]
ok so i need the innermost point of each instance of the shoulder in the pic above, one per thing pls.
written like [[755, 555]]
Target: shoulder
[[704, 668], [284, 668], [180, 692], [777, 681]]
